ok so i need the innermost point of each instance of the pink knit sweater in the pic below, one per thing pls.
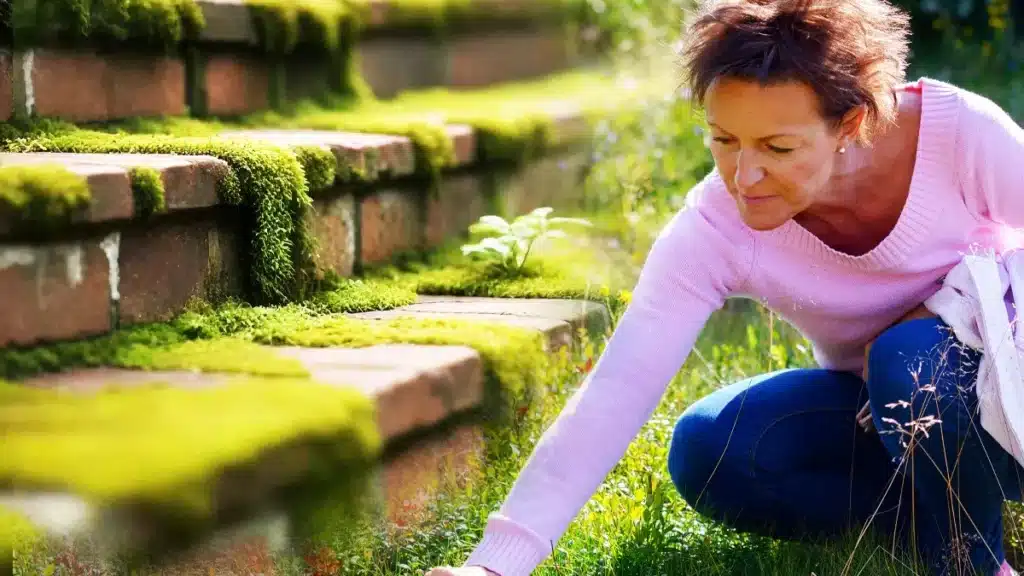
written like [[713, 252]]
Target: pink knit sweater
[[967, 190]]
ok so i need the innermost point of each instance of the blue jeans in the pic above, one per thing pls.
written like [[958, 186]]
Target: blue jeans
[[782, 454]]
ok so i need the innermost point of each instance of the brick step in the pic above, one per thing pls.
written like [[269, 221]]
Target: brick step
[[229, 70], [413, 388], [112, 266]]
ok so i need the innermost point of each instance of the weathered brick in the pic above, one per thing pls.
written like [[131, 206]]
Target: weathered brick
[[460, 202], [393, 64], [480, 60], [162, 267], [6, 86], [105, 86], [236, 84], [189, 181], [464, 141], [391, 222], [550, 181], [54, 291], [332, 223], [415, 387]]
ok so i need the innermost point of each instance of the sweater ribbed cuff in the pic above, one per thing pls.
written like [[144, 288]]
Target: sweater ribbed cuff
[[507, 550]]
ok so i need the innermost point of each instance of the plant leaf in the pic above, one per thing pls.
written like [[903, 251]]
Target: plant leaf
[[496, 222], [542, 212], [497, 245], [554, 234], [574, 221], [524, 229]]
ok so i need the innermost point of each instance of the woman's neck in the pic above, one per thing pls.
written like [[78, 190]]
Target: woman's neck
[[868, 189]]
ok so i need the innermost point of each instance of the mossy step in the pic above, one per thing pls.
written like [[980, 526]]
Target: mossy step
[[364, 156], [558, 319], [49, 190], [231, 21], [413, 387], [169, 457]]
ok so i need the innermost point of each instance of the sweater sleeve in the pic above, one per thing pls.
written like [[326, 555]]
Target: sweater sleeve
[[698, 260], [990, 150]]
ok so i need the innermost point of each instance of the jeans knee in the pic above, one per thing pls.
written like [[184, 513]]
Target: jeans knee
[[691, 456], [918, 369]]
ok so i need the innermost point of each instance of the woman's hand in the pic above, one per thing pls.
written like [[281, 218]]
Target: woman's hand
[[864, 419], [469, 571]]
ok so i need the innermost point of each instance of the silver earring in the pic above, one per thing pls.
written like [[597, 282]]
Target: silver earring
[[842, 149]]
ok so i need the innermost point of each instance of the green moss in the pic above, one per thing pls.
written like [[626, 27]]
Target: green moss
[[161, 446], [267, 180], [356, 295], [578, 268], [444, 16], [515, 357], [515, 122], [199, 339], [16, 532], [284, 25], [155, 24], [230, 355], [319, 165], [41, 198], [147, 192]]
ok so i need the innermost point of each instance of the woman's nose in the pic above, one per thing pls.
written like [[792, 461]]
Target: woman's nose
[[748, 171]]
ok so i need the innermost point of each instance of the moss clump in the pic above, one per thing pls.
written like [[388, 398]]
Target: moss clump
[[16, 533], [284, 25], [230, 355], [167, 448], [152, 24], [147, 192], [41, 198], [356, 295], [319, 165], [267, 181]]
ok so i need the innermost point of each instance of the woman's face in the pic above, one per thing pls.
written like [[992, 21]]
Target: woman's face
[[772, 147]]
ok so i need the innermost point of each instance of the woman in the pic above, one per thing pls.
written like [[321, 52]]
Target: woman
[[841, 196]]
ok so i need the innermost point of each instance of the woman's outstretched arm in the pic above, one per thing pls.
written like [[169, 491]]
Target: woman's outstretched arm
[[701, 257]]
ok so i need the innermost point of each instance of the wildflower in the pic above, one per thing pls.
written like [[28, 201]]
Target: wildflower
[[625, 297]]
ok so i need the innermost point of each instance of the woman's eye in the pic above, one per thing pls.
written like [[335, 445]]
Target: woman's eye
[[722, 140], [779, 150]]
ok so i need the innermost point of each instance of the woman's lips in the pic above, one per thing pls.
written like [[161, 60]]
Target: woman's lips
[[755, 200]]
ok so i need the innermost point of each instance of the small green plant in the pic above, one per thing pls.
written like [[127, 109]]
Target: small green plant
[[507, 245]]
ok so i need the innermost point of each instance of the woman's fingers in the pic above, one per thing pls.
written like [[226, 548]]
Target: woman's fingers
[[864, 419]]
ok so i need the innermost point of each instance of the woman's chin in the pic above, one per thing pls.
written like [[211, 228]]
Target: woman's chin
[[763, 222]]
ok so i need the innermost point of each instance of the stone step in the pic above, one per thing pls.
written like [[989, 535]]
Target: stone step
[[559, 320], [413, 388], [112, 266], [228, 70]]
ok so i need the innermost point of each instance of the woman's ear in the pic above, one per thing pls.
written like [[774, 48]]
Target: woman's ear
[[850, 125]]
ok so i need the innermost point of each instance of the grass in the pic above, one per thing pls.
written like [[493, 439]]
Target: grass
[[16, 533], [635, 523]]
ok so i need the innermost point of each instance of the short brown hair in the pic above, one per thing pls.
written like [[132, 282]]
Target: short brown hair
[[851, 52]]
